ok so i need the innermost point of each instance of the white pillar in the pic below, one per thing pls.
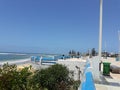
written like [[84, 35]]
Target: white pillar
[[95, 66], [119, 45], [100, 30], [96, 60]]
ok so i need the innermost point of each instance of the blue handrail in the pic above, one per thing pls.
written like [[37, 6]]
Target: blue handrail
[[88, 83]]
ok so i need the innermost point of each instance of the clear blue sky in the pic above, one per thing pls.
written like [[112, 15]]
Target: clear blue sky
[[57, 26]]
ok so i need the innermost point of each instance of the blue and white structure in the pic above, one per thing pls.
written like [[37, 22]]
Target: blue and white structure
[[36, 59], [87, 82], [48, 60]]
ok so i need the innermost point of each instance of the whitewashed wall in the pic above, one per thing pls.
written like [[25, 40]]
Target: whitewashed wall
[[71, 65]]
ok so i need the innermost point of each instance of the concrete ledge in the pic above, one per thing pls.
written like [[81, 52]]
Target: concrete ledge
[[106, 87]]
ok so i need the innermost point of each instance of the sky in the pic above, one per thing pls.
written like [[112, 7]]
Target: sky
[[57, 26]]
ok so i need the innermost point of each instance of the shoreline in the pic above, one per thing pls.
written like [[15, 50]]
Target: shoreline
[[17, 61]]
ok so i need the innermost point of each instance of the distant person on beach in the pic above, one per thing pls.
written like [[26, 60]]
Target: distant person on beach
[[63, 56]]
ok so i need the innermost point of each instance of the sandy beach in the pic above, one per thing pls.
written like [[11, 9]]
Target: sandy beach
[[21, 63], [25, 64]]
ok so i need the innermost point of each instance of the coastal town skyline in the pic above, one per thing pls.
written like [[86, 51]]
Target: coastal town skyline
[[57, 26]]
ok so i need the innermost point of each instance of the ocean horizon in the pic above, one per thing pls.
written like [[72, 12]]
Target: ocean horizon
[[13, 56]]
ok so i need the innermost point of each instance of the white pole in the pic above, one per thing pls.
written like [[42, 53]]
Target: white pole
[[96, 60], [100, 30], [105, 51], [119, 45]]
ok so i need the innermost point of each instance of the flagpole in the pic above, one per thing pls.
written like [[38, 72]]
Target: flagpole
[[119, 45], [100, 30]]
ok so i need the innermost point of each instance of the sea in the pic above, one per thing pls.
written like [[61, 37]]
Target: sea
[[11, 56]]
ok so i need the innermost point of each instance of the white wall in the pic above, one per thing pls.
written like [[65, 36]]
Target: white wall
[[95, 65], [71, 65]]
